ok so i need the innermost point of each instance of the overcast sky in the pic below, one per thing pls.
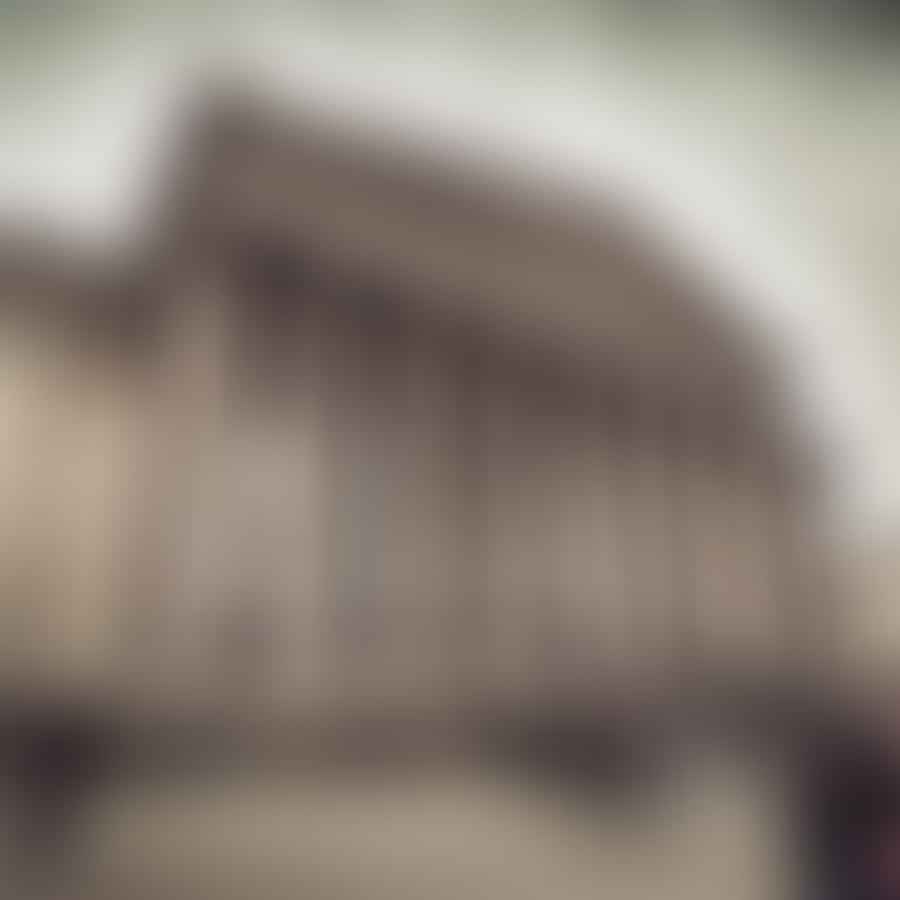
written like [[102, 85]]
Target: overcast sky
[[772, 154]]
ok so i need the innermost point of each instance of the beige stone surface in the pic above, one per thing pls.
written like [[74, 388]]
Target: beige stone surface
[[443, 834]]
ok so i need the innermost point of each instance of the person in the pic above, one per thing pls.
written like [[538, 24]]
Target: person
[[851, 811], [57, 755]]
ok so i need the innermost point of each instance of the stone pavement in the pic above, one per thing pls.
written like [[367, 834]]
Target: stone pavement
[[436, 835]]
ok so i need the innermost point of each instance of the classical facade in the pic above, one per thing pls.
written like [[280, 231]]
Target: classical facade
[[374, 432]]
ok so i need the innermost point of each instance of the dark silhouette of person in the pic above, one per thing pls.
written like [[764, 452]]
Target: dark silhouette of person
[[57, 756], [851, 814]]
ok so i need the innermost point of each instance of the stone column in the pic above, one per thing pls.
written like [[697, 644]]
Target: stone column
[[177, 586], [652, 578]]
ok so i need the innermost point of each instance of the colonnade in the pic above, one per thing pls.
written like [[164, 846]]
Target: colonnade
[[403, 516]]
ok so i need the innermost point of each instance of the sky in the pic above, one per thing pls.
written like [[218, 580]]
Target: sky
[[768, 153]]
